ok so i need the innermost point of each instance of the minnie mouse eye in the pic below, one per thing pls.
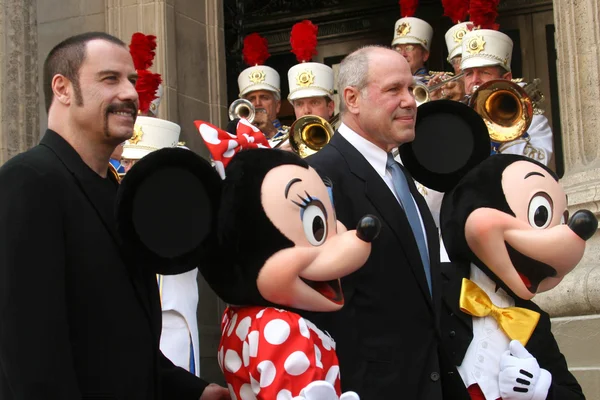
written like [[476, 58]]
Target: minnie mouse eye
[[540, 211], [314, 223]]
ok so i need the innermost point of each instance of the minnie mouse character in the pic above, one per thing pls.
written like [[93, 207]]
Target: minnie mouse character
[[267, 241], [506, 228]]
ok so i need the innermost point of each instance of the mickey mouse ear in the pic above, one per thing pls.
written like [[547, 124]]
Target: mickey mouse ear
[[166, 209], [450, 139]]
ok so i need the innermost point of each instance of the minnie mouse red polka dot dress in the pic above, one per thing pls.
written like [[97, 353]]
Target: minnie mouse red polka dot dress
[[267, 353]]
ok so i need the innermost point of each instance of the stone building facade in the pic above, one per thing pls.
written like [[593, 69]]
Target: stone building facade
[[198, 54]]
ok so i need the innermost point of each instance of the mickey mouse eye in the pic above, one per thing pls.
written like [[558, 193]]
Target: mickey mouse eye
[[314, 222], [540, 211]]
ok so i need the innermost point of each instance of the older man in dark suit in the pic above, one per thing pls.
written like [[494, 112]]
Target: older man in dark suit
[[387, 334], [76, 320]]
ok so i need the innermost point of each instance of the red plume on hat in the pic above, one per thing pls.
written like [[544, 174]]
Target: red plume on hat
[[142, 49], [456, 10], [304, 40], [483, 13], [256, 49], [408, 7]]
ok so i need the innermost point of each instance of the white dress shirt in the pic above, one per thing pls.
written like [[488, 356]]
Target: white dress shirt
[[481, 364], [377, 157]]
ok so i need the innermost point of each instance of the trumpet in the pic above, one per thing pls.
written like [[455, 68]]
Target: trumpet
[[309, 134], [505, 107], [422, 92], [242, 108]]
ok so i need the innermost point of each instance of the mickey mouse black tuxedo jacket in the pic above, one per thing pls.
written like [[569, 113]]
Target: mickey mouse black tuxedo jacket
[[76, 322], [387, 333], [457, 329]]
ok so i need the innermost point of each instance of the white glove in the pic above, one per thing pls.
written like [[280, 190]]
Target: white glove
[[323, 390], [521, 377]]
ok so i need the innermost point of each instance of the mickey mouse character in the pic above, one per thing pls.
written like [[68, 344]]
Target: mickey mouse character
[[267, 241], [506, 228]]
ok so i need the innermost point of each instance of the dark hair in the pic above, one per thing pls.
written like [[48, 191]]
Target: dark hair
[[66, 59]]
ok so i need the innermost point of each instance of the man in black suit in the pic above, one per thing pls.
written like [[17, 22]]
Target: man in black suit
[[387, 334], [77, 321]]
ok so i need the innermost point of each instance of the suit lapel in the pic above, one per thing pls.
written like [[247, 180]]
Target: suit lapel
[[379, 194], [83, 177]]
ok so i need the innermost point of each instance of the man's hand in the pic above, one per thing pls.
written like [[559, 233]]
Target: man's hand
[[262, 122], [454, 90], [215, 392], [521, 377]]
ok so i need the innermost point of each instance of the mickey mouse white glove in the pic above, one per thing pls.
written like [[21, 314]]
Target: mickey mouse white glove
[[521, 377], [323, 390]]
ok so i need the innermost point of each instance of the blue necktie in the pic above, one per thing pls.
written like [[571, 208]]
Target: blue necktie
[[410, 209]]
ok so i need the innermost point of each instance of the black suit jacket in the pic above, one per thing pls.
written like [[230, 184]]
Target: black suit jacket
[[76, 322], [387, 333], [458, 334]]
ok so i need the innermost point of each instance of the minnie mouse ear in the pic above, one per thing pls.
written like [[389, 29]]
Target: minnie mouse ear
[[450, 139], [167, 208]]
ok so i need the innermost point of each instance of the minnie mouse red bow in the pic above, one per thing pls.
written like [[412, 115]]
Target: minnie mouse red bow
[[223, 145]]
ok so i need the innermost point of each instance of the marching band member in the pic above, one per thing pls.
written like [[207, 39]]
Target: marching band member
[[412, 39], [260, 85], [486, 55], [310, 83], [179, 339]]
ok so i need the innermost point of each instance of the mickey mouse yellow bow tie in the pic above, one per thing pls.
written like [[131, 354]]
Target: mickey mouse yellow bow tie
[[518, 323]]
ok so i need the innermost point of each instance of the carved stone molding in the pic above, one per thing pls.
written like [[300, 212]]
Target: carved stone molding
[[19, 105]]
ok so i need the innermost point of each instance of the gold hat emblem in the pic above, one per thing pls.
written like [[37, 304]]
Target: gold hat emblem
[[459, 34], [257, 76], [476, 45], [305, 78], [137, 134], [403, 29]]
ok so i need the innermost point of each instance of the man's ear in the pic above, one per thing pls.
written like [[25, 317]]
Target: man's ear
[[278, 106], [62, 89], [425, 56], [507, 76], [330, 108], [351, 99]]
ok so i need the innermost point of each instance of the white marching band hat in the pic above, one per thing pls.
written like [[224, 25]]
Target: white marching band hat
[[310, 79], [454, 38], [411, 30], [258, 77], [486, 47], [150, 134]]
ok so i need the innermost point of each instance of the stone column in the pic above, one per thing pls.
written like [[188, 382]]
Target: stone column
[[576, 301], [19, 113]]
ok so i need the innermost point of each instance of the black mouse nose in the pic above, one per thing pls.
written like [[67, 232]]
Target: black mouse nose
[[368, 228], [584, 224]]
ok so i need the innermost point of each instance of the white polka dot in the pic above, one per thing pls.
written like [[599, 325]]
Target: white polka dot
[[277, 331], [318, 362], [253, 343], [303, 328], [246, 392], [296, 364], [242, 329], [220, 358], [326, 341], [232, 361], [248, 124], [255, 385], [231, 392], [230, 153], [332, 374], [220, 168], [232, 325], [267, 372], [209, 134], [260, 313], [284, 395], [262, 146], [246, 354], [249, 139]]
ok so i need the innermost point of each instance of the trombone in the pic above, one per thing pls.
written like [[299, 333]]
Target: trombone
[[422, 92], [309, 134]]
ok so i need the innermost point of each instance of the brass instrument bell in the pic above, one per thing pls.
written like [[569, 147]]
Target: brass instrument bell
[[505, 108], [309, 134], [242, 108]]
